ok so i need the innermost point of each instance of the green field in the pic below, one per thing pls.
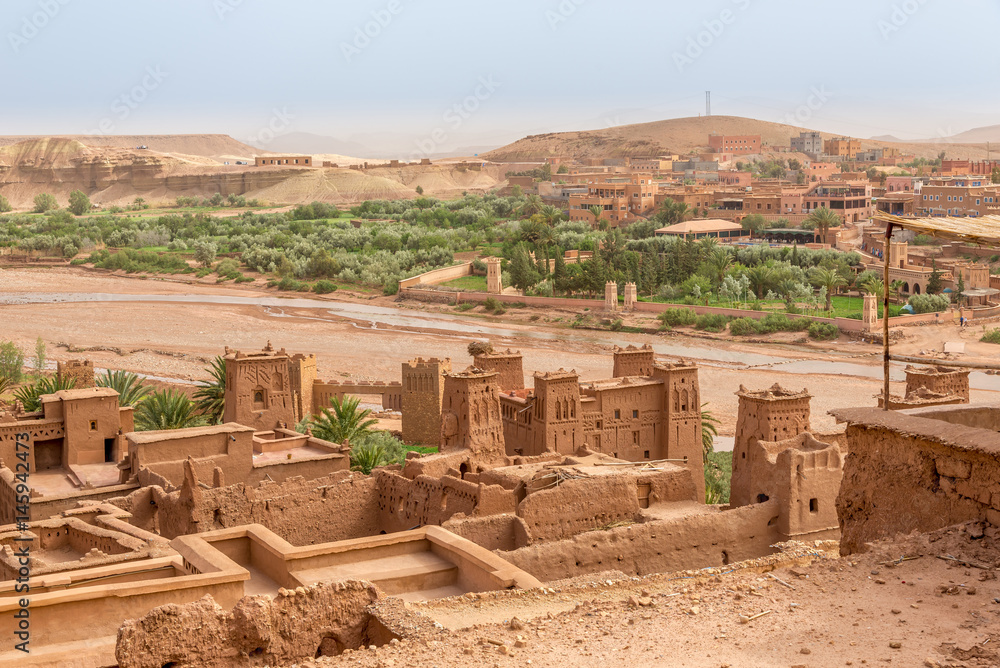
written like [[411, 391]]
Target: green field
[[471, 283]]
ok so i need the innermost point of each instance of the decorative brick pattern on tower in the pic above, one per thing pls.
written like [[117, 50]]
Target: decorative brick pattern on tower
[[423, 386], [258, 389], [633, 361], [680, 435], [869, 313], [82, 371], [938, 379], [301, 377], [611, 296], [771, 415], [631, 296], [494, 278], [470, 414], [558, 412], [508, 364]]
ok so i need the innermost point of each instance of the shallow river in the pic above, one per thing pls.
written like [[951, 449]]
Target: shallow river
[[446, 323]]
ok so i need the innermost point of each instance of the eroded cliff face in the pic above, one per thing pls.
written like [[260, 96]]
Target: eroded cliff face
[[111, 175]]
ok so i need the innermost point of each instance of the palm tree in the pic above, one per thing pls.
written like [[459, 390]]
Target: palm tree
[[167, 409], [598, 214], [897, 289], [5, 384], [128, 386], [672, 212], [532, 205], [761, 278], [210, 399], [822, 219], [550, 214], [346, 423], [874, 286], [30, 396], [709, 430], [719, 263], [829, 279]]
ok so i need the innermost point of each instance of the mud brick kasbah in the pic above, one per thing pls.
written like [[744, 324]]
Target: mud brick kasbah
[[529, 485]]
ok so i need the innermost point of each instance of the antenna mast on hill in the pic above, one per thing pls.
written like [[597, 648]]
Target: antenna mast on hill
[[708, 103]]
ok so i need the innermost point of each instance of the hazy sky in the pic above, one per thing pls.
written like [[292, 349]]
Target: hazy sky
[[253, 68]]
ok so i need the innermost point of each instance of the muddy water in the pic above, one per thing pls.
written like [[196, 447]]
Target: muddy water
[[446, 323]]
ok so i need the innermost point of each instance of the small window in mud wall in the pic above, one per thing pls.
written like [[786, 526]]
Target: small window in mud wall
[[813, 505], [618, 414], [93, 425], [259, 398]]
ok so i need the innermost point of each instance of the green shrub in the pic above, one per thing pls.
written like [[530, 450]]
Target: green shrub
[[244, 279], [11, 361], [465, 306], [202, 273], [678, 317], [744, 327], [929, 303], [227, 267], [823, 331], [390, 287], [711, 322], [991, 336], [289, 284], [324, 287], [492, 304]]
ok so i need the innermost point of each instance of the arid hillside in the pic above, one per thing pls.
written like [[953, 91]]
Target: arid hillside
[[681, 136], [112, 174]]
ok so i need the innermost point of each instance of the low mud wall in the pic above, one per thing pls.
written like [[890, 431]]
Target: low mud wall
[[712, 538], [917, 470]]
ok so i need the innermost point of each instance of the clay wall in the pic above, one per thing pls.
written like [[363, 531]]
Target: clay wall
[[304, 512], [258, 391], [81, 371], [301, 377], [680, 436], [470, 415], [941, 380], [322, 393], [448, 297], [914, 471], [508, 366], [625, 420], [660, 546], [90, 418], [557, 414], [228, 447], [633, 361], [423, 388], [769, 415], [493, 532], [437, 276], [406, 504]]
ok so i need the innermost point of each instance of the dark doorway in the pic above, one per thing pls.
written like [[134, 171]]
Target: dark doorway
[[109, 450], [48, 454]]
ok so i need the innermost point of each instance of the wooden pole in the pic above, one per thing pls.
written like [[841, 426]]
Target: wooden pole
[[885, 316]]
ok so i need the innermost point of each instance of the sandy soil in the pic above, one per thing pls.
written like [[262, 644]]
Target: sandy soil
[[871, 609], [177, 340]]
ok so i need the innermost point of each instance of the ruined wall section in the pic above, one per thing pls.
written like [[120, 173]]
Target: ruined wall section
[[775, 414], [302, 375], [405, 504], [939, 380], [911, 473], [303, 512], [661, 546], [321, 620]]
